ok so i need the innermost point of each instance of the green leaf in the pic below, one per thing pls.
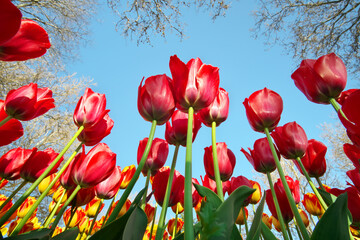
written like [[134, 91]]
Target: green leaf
[[334, 223], [328, 197], [255, 230], [220, 223], [266, 232], [70, 234], [138, 197], [210, 195], [40, 234], [197, 228], [136, 225], [235, 235]]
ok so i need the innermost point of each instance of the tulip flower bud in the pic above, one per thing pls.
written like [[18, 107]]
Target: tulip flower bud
[[267, 220], [354, 175], [83, 224], [110, 186], [92, 207], [6, 207], [171, 225], [218, 110], [12, 16], [226, 161], [78, 215], [155, 99], [13, 161], [58, 230], [123, 210], [96, 166], [237, 182], [52, 206], [176, 134], [321, 79], [150, 212], [291, 140], [126, 175], [312, 204], [276, 223], [157, 155], [83, 196], [28, 102], [195, 84], [314, 160], [256, 196], [95, 228], [352, 152], [25, 207], [58, 193], [46, 182], [11, 130], [179, 207], [353, 202], [240, 218], [304, 217], [66, 179], [211, 184], [263, 109]]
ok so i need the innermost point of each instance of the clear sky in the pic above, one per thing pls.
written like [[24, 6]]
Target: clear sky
[[117, 66]]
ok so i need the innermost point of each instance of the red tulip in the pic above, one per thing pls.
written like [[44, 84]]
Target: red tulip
[[6, 207], [237, 182], [110, 186], [211, 184], [90, 109], [28, 102], [171, 225], [196, 198], [93, 135], [291, 140], [66, 178], [157, 156], [176, 134], [263, 109], [353, 201], [354, 175], [321, 79], [218, 110], [150, 212], [30, 41], [353, 153], [83, 196], [10, 19], [261, 157], [352, 123], [96, 166], [11, 130], [12, 162], [195, 84], [226, 161], [155, 99], [38, 163], [159, 186], [344, 95], [314, 160]]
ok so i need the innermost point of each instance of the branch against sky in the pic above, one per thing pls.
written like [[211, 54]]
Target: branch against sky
[[309, 29]]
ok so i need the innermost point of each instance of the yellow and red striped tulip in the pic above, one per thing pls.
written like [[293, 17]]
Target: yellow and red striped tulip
[[92, 206], [256, 196], [126, 175], [240, 218], [312, 204], [150, 212], [78, 215], [267, 220], [45, 183], [25, 207], [171, 225], [304, 217], [58, 193]]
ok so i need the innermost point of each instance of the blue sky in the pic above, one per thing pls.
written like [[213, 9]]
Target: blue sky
[[117, 66]]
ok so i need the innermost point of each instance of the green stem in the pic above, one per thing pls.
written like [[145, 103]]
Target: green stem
[[219, 188], [52, 214], [127, 191], [13, 194], [5, 120], [245, 221], [16, 205], [153, 222], [62, 210], [161, 223], [43, 195], [143, 203], [189, 232], [337, 107], [108, 210], [321, 200], [320, 184], [297, 230], [72, 211], [288, 229], [96, 214], [277, 207], [286, 188], [176, 218]]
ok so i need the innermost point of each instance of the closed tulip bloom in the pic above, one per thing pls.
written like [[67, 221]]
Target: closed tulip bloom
[[123, 210], [58, 193], [291, 140], [91, 136], [240, 218], [79, 214], [354, 175], [344, 95], [321, 79], [276, 223], [353, 202], [38, 163], [25, 207], [218, 110], [46, 182], [6, 207], [11, 130], [126, 175], [211, 184], [66, 178], [92, 207], [195, 84], [157, 155], [150, 212], [352, 152], [159, 186], [96, 166], [155, 99], [261, 157], [226, 161], [177, 132], [256, 196], [58, 230], [263, 109], [83, 224], [267, 220], [28, 102], [10, 20], [171, 225], [52, 206], [12, 162], [90, 109], [314, 160], [83, 196], [312, 204], [3, 182], [110, 186], [96, 227], [304, 217], [237, 182]]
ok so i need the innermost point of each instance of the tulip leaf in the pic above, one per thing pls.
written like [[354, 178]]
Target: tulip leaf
[[41, 234], [210, 195], [334, 223], [235, 235], [266, 232], [220, 223], [136, 225], [255, 229], [70, 234], [328, 197], [138, 197]]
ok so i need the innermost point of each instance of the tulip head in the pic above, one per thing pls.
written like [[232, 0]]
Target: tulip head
[[12, 162], [78, 215], [25, 207], [240, 218], [171, 225], [237, 182], [110, 186], [10, 15], [267, 220], [92, 207], [312, 204], [150, 212], [211, 184], [256, 196], [11, 130], [126, 175]]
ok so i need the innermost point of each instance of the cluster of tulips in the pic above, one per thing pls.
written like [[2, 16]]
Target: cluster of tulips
[[190, 98]]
